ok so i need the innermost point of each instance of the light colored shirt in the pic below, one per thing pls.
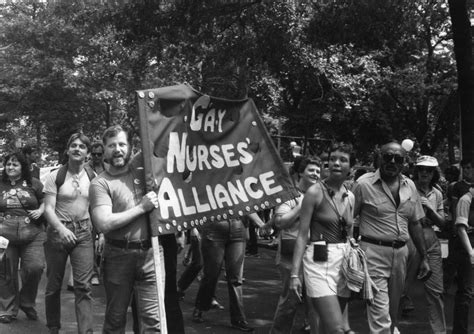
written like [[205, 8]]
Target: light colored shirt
[[72, 201], [463, 211], [435, 197], [379, 216], [292, 232]]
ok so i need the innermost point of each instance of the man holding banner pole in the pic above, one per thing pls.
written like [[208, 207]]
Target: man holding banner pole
[[120, 207]]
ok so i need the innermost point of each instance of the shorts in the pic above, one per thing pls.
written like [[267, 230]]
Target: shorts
[[325, 278]]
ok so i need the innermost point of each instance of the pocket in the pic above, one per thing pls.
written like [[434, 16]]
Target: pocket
[[9, 230], [373, 205], [28, 232], [407, 208]]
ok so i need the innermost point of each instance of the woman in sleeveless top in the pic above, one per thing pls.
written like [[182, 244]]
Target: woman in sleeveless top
[[326, 219]]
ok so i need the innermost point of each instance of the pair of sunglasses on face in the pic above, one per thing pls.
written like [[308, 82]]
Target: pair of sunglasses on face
[[387, 158]]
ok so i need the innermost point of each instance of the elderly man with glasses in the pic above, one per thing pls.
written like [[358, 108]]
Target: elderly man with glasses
[[389, 210]]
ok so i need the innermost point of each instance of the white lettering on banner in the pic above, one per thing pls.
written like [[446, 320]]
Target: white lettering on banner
[[206, 121], [173, 202], [184, 157]]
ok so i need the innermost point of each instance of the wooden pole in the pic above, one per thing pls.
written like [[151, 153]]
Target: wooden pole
[[157, 255]]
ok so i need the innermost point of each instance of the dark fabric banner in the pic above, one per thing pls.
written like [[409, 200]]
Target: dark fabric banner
[[209, 159]]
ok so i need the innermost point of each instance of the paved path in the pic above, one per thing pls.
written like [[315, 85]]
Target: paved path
[[261, 290]]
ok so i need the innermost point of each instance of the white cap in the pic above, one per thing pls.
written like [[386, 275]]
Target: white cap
[[427, 160]]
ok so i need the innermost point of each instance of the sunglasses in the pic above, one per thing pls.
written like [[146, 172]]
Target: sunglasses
[[425, 169], [389, 157]]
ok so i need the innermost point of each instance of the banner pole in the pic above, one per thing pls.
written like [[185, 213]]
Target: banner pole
[[158, 260]]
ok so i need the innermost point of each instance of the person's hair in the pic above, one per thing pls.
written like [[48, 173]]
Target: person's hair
[[82, 137], [359, 172], [28, 149], [25, 168], [97, 144], [345, 148], [305, 161], [113, 131], [434, 180], [452, 173]]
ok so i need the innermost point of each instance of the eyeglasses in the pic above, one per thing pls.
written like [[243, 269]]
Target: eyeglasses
[[425, 169], [96, 154], [389, 157]]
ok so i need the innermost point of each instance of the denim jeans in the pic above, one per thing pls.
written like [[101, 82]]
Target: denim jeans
[[32, 266], [463, 297], [127, 272], [174, 316], [82, 258], [223, 240]]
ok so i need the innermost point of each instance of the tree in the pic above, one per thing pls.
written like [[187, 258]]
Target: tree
[[463, 51]]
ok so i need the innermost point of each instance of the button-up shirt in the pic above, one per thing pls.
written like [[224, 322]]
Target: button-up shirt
[[379, 216]]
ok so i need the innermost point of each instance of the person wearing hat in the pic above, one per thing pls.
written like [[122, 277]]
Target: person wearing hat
[[426, 175]]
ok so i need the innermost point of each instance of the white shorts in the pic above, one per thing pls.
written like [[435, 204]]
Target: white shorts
[[325, 278]]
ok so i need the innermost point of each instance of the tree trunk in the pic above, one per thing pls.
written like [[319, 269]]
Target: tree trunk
[[462, 38]]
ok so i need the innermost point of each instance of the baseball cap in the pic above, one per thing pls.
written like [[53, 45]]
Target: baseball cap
[[427, 160]]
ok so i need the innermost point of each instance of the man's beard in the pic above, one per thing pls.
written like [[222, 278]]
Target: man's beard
[[122, 163]]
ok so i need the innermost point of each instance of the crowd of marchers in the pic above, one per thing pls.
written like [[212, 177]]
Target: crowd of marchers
[[365, 235]]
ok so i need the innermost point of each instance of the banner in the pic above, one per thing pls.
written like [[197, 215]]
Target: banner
[[209, 159]]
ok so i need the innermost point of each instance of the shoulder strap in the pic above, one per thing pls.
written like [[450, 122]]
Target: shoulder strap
[[90, 172], [61, 176]]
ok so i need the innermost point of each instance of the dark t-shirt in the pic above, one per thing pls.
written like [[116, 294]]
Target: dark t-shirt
[[17, 199]]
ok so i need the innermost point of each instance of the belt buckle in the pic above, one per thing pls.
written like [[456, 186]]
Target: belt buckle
[[396, 244]]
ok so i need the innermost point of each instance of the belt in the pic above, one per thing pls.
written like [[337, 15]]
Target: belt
[[394, 244], [4, 216], [128, 244], [77, 221]]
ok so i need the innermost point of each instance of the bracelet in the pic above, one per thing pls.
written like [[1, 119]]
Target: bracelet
[[294, 276]]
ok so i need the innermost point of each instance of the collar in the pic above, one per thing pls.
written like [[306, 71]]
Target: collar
[[426, 194], [378, 178]]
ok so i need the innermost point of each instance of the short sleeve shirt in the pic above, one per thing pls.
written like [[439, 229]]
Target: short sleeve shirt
[[292, 232], [435, 197], [464, 214], [121, 193], [379, 217], [17, 199], [72, 201]]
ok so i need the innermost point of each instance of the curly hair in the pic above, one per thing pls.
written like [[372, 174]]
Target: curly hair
[[434, 179], [345, 148], [25, 168]]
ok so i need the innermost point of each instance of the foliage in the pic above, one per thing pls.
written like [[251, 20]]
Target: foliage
[[360, 71]]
